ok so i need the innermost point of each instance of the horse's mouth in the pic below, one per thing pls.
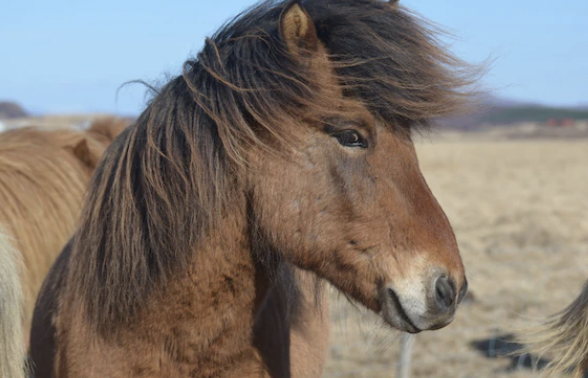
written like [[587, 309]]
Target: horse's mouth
[[401, 320]]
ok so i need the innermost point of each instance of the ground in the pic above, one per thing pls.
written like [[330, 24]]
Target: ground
[[519, 208]]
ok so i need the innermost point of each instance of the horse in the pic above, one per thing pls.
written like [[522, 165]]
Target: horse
[[285, 144], [12, 350], [563, 335], [43, 178]]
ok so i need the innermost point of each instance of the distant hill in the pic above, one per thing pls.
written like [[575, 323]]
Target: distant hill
[[531, 114], [497, 111], [581, 107], [11, 110]]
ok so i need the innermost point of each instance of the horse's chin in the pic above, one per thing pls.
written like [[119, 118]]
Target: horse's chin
[[400, 324], [397, 313], [394, 313]]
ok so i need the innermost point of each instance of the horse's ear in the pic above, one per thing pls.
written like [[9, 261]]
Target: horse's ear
[[297, 29], [393, 3], [82, 151]]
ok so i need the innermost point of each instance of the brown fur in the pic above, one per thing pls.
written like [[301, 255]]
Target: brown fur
[[564, 337], [239, 171], [43, 179]]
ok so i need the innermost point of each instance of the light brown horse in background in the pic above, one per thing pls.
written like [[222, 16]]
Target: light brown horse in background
[[564, 337], [44, 176], [286, 143]]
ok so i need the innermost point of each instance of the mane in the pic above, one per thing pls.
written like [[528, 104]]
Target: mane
[[165, 182]]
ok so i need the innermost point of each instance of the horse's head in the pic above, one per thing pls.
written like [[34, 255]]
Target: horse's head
[[347, 200]]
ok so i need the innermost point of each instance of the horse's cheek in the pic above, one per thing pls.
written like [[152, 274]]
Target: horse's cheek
[[290, 200]]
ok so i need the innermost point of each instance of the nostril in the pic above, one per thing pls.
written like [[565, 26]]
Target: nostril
[[445, 293]]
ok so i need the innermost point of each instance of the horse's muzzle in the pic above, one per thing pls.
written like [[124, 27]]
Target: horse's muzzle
[[426, 308]]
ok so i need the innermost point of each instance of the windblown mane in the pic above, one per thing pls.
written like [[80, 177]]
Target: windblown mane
[[165, 183]]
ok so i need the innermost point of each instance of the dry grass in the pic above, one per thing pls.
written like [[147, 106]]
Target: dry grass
[[520, 212]]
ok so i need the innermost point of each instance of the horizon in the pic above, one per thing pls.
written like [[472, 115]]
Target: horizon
[[68, 57]]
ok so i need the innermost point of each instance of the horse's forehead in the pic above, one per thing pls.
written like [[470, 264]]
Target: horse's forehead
[[394, 145]]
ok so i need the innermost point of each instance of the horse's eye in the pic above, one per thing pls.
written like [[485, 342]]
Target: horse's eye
[[350, 138]]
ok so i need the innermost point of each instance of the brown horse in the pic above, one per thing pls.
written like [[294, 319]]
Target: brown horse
[[286, 143], [565, 337], [44, 175]]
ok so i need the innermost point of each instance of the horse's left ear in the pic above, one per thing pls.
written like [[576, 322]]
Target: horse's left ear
[[83, 152], [297, 29]]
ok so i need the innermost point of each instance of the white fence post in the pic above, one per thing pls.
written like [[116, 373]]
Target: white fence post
[[405, 357]]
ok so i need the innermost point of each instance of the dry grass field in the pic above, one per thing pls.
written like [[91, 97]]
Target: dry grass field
[[519, 209]]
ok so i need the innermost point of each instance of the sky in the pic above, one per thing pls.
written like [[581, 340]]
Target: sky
[[70, 56]]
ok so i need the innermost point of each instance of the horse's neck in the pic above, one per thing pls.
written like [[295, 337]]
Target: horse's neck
[[210, 309]]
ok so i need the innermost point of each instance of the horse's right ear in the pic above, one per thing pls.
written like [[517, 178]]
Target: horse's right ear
[[297, 29]]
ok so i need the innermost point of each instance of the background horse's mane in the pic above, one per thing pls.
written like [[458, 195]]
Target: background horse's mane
[[165, 182]]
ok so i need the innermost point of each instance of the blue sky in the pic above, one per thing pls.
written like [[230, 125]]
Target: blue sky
[[72, 56]]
